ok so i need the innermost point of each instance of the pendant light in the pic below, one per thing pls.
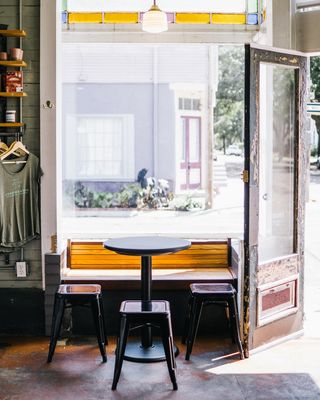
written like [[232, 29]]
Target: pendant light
[[154, 20]]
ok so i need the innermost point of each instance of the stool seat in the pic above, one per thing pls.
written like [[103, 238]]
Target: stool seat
[[152, 307], [71, 295], [135, 313], [72, 289], [203, 294], [209, 289]]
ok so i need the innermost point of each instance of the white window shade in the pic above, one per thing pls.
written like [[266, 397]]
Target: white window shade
[[134, 63], [222, 6]]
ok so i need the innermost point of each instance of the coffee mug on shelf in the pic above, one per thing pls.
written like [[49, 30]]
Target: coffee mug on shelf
[[10, 116], [16, 54]]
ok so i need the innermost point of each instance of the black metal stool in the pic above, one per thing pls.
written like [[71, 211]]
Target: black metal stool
[[78, 295], [158, 315], [202, 294]]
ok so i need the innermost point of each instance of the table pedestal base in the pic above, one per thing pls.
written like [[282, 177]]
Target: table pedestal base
[[136, 353]]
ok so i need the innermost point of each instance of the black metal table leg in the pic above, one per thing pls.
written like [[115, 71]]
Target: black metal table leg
[[146, 278], [147, 350]]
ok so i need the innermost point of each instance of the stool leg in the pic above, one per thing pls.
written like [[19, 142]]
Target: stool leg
[[230, 325], [58, 311], [167, 340], [105, 339], [187, 321], [96, 312], [121, 346], [194, 324], [235, 322]]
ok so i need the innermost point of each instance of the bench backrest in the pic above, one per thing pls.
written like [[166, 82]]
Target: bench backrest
[[92, 255]]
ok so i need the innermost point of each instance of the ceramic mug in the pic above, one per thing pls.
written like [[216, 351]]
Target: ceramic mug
[[16, 54], [3, 56]]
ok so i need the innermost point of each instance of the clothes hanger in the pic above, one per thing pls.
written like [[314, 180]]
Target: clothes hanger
[[3, 147], [16, 148]]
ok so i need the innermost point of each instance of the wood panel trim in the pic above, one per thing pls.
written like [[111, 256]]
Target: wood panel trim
[[201, 254]]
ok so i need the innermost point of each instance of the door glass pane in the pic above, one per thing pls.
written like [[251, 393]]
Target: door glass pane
[[194, 140], [276, 162], [183, 141]]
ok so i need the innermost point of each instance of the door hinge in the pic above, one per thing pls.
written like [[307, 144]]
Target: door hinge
[[245, 176]]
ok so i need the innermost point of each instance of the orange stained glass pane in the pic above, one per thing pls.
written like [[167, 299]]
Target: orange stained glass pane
[[192, 18], [228, 18], [121, 18], [85, 18]]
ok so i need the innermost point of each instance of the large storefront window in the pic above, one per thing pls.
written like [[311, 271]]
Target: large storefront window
[[148, 131]]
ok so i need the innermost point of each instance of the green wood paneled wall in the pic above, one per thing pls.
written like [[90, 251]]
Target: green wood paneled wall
[[31, 116]]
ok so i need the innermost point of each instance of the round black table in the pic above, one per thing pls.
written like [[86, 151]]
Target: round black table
[[146, 247]]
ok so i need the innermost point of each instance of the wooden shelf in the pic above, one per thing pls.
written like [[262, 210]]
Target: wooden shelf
[[12, 33], [11, 124], [13, 63], [13, 94]]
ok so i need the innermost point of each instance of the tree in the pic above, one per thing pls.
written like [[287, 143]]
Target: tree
[[315, 87], [228, 113]]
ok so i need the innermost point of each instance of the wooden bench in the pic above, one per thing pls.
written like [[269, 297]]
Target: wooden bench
[[204, 261]]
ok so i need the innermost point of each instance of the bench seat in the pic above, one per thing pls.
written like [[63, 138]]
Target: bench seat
[[205, 261], [161, 279]]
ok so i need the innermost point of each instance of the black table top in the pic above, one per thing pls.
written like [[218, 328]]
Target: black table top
[[146, 245]]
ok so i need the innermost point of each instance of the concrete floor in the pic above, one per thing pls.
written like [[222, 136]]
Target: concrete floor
[[287, 371]]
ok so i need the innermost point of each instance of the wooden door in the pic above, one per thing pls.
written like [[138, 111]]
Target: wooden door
[[275, 178]]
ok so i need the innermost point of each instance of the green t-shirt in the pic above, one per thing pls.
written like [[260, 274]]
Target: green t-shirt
[[19, 203]]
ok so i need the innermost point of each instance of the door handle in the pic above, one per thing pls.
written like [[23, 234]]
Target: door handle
[[265, 196]]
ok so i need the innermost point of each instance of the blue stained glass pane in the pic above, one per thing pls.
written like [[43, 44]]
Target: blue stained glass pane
[[252, 19], [64, 17]]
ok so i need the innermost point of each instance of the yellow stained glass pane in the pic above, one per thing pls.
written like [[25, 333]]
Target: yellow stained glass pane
[[228, 18], [192, 18], [121, 18], [85, 18]]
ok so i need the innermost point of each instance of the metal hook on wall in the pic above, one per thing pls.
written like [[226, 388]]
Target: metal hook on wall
[[48, 104]]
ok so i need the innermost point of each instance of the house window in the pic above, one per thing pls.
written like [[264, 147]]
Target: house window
[[100, 147], [189, 104]]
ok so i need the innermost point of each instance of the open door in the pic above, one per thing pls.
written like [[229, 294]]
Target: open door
[[276, 154]]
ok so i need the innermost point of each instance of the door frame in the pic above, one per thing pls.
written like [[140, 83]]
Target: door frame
[[50, 126], [254, 276]]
